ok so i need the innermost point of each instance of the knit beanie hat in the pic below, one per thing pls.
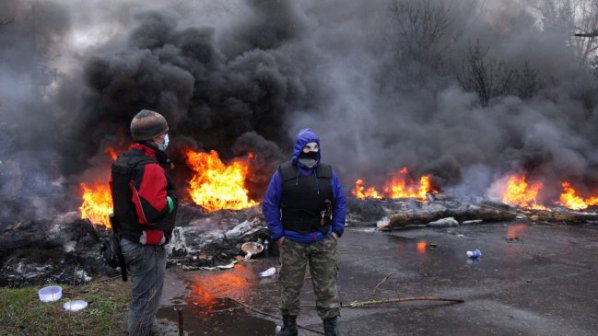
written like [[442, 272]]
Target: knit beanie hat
[[147, 124]]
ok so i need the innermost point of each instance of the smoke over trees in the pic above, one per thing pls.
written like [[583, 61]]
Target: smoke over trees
[[444, 87]]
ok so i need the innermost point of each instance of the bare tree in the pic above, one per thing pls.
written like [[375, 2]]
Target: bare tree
[[586, 26], [527, 82], [421, 24], [425, 30], [594, 66], [592, 34], [487, 77], [490, 78], [8, 11], [580, 17], [6, 20]]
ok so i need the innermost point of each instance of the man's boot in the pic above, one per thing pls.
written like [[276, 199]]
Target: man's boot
[[289, 327], [330, 327]]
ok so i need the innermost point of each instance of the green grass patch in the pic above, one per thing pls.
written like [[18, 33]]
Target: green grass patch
[[22, 313]]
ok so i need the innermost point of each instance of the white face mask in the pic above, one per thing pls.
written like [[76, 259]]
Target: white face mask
[[309, 163], [164, 145]]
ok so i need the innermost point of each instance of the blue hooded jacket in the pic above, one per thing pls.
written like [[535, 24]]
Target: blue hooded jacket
[[271, 203]]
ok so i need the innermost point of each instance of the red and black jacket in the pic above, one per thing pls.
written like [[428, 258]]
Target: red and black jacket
[[144, 197]]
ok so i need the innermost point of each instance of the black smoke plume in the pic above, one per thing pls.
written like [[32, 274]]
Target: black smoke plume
[[464, 90]]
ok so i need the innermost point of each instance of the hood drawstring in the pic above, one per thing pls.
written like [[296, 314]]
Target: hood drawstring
[[317, 183]]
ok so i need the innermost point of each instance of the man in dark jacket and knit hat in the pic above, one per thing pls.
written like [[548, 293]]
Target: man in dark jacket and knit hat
[[145, 204], [305, 209]]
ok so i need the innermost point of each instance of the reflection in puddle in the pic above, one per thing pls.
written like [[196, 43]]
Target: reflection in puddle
[[514, 231], [209, 310], [206, 288], [421, 247], [229, 319]]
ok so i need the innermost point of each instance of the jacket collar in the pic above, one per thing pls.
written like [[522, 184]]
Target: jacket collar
[[147, 150]]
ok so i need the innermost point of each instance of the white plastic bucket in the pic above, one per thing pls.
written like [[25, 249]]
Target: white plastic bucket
[[50, 293]]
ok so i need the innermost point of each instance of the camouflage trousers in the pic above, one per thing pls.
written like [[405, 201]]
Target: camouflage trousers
[[322, 265]]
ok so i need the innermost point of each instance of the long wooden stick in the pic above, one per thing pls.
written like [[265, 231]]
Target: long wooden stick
[[381, 282], [359, 304]]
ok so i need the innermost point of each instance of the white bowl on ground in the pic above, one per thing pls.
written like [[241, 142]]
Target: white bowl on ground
[[251, 249], [50, 293], [75, 306]]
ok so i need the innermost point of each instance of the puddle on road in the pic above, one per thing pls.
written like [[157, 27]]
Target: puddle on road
[[209, 307], [225, 317]]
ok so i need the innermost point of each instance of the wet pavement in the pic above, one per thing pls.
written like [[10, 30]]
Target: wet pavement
[[531, 280]]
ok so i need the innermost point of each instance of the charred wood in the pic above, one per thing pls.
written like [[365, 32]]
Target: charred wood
[[67, 249]]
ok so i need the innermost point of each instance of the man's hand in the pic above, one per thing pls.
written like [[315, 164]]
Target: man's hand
[[280, 241], [334, 235]]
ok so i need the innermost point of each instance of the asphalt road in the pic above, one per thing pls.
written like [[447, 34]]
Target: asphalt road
[[531, 280]]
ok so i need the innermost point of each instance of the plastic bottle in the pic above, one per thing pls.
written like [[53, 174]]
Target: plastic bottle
[[266, 248], [474, 254]]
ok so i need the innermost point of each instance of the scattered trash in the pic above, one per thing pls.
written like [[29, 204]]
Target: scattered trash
[[268, 273], [50, 293], [473, 221], [227, 266], [75, 306], [444, 222], [251, 248], [203, 259], [81, 274], [383, 223], [475, 254], [460, 235], [210, 268]]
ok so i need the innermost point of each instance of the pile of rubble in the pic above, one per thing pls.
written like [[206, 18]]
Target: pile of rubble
[[66, 249], [441, 211]]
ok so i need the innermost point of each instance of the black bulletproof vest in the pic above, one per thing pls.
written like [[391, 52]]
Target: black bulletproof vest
[[123, 170], [307, 201]]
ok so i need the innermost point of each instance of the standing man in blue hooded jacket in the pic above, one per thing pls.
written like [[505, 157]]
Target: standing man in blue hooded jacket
[[305, 210]]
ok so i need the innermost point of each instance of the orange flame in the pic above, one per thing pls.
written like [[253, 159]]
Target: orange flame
[[360, 192], [97, 198], [111, 152], [97, 204], [400, 186], [217, 186], [522, 194], [571, 200]]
